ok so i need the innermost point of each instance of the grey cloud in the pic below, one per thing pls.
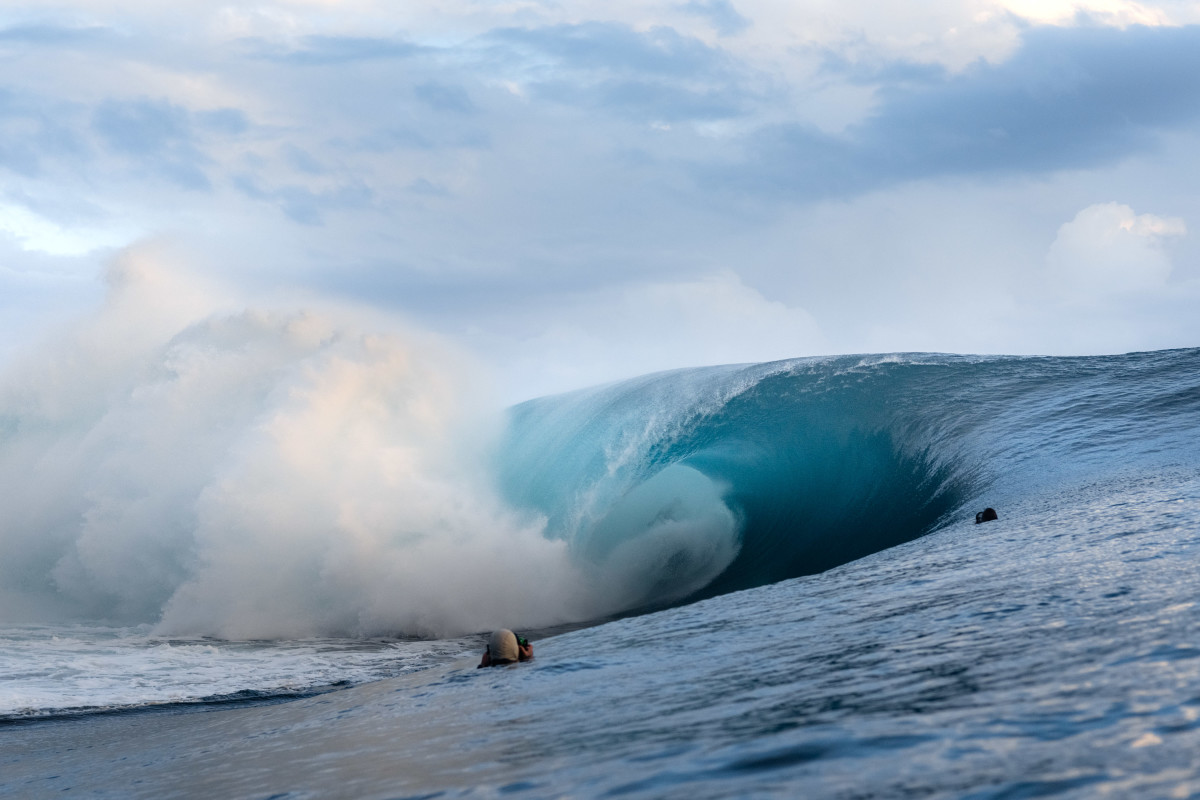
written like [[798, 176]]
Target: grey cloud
[[873, 72], [619, 50], [157, 136], [165, 137], [185, 173], [303, 161], [389, 139], [724, 18], [441, 97], [301, 204], [247, 185], [34, 129], [327, 50], [20, 157], [224, 121], [43, 35], [646, 100], [655, 75], [423, 186], [1069, 98], [142, 127]]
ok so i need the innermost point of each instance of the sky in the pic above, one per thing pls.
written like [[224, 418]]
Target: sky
[[575, 192]]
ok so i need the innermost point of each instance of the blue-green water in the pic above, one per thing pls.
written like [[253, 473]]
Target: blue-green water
[[1054, 652]]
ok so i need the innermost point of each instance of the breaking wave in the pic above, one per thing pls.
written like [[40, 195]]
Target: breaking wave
[[274, 473]]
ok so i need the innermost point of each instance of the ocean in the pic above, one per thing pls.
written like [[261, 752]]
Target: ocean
[[745, 581]]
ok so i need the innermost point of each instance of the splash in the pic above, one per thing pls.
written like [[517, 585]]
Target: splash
[[260, 473]]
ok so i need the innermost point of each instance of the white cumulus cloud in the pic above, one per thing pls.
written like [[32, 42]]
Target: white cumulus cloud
[[1109, 249], [714, 319], [1106, 12]]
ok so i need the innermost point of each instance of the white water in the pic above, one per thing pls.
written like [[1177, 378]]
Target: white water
[[72, 668], [181, 460]]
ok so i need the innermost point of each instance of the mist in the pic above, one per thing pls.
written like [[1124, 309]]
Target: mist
[[176, 459]]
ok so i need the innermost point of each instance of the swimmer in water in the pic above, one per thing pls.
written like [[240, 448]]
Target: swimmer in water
[[987, 515], [505, 647]]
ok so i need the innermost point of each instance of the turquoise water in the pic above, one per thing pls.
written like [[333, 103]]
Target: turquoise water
[[1054, 652]]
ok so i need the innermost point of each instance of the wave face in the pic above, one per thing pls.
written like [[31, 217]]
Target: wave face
[[698, 482]]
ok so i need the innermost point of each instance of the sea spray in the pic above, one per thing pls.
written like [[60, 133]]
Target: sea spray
[[260, 473]]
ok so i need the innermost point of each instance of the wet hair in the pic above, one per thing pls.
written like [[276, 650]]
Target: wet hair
[[987, 515]]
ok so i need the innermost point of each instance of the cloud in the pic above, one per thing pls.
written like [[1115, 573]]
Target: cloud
[[35, 232], [610, 68], [1108, 249], [388, 139], [423, 186], [615, 49], [322, 51], [443, 97], [1109, 12], [513, 170], [56, 35], [161, 135], [35, 129], [302, 204], [643, 100], [1069, 98], [223, 121], [724, 18], [143, 127], [649, 326]]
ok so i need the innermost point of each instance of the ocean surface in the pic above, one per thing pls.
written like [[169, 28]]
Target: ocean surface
[[751, 581]]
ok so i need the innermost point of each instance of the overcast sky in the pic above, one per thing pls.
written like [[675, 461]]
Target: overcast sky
[[580, 191]]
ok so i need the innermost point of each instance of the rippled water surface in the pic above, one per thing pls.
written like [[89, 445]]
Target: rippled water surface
[[881, 645], [58, 670], [1053, 652]]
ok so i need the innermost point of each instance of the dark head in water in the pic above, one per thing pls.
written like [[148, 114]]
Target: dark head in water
[[987, 515]]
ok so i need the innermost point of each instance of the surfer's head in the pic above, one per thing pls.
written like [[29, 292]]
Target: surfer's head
[[987, 515], [503, 646]]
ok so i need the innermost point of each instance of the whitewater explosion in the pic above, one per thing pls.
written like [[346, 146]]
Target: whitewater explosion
[[259, 473]]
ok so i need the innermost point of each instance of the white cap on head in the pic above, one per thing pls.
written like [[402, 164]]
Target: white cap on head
[[503, 645]]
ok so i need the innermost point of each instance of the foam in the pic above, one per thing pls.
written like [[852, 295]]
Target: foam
[[257, 472]]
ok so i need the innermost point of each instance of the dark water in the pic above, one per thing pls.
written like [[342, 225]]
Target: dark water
[[1054, 652]]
